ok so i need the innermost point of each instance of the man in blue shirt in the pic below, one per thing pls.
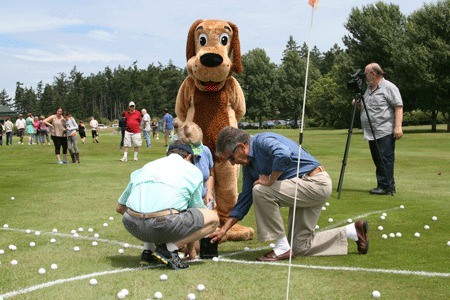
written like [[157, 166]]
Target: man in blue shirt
[[162, 204], [167, 126], [270, 181]]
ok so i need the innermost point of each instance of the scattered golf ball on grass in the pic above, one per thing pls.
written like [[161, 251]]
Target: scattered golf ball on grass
[[200, 287], [76, 248], [163, 277], [81, 229], [349, 221], [96, 235], [55, 230], [111, 218], [380, 228], [28, 231], [190, 296], [398, 234], [317, 227], [32, 244], [94, 243], [12, 198], [426, 227], [125, 291], [392, 235], [73, 231], [402, 206], [382, 217], [52, 240], [90, 230], [417, 234], [93, 281], [105, 224], [215, 258], [158, 295], [5, 226], [41, 271], [54, 266], [121, 295], [384, 236], [14, 262], [330, 220], [448, 243], [246, 249], [272, 245], [37, 233], [434, 218], [12, 247], [376, 294], [126, 245], [2, 251], [121, 251]]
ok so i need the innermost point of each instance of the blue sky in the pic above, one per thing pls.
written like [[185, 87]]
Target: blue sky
[[41, 38]]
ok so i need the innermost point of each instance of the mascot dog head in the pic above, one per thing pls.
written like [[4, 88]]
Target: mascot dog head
[[213, 53]]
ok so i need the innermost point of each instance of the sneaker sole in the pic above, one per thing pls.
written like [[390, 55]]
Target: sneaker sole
[[166, 261]]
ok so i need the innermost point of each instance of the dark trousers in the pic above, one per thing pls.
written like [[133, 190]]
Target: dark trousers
[[384, 162], [9, 135], [122, 132], [60, 141]]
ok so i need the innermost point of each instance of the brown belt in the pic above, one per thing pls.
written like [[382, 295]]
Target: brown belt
[[316, 170], [152, 215]]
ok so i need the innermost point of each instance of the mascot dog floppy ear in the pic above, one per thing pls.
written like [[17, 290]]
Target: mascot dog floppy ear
[[211, 97]]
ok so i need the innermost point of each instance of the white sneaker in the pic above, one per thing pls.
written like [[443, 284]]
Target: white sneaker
[[124, 159]]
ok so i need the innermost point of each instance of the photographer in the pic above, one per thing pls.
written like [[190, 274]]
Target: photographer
[[384, 105]]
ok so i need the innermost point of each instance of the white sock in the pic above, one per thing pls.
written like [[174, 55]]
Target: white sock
[[171, 247], [351, 232], [125, 154], [149, 246], [281, 246], [135, 154]]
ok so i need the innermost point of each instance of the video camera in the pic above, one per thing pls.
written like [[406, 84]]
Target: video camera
[[355, 82]]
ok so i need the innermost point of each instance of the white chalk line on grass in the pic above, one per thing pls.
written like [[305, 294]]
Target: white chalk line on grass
[[353, 269]]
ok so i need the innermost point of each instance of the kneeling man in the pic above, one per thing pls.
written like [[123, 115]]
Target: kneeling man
[[162, 206]]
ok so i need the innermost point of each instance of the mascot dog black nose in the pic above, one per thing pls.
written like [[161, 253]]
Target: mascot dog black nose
[[211, 60]]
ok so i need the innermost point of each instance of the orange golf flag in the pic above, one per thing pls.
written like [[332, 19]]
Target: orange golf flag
[[313, 3]]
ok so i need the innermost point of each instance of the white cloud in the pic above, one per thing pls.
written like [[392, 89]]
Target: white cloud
[[101, 35], [70, 56]]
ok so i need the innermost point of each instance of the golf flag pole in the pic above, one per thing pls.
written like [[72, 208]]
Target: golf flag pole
[[314, 4]]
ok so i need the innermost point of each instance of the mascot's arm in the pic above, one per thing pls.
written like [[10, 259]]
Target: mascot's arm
[[183, 101], [237, 99]]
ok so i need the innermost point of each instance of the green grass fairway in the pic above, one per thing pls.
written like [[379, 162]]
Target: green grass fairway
[[82, 196]]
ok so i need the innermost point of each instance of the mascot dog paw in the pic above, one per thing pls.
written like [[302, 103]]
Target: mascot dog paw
[[211, 97]]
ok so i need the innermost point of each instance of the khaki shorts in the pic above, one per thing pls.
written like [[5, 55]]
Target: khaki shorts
[[132, 139]]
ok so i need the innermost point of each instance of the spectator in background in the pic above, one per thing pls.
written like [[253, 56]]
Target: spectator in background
[[82, 131], [167, 126], [123, 128], [57, 123], [132, 137], [36, 129], [43, 131], [94, 129], [176, 127], [72, 131], [146, 127], [9, 127], [30, 128], [2, 130], [20, 125], [155, 129]]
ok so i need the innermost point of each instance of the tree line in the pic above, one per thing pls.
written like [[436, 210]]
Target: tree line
[[414, 51]]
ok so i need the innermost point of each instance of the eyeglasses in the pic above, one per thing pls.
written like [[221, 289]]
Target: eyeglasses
[[231, 157]]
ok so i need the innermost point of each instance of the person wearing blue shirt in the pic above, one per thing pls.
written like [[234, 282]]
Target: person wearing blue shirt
[[162, 204], [271, 181], [167, 126]]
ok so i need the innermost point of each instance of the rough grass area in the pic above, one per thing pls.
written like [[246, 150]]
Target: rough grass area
[[70, 197]]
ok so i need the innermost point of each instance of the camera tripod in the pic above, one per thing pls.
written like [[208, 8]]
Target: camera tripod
[[358, 99]]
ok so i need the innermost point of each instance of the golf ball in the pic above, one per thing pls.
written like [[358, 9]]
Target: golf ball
[[28, 231], [382, 217], [121, 251], [5, 226], [12, 198], [12, 247], [384, 236], [163, 277], [96, 235], [272, 245], [392, 235], [384, 214], [81, 229], [37, 233], [105, 224], [41, 271], [75, 234], [215, 258], [76, 248], [32, 244], [376, 294], [14, 262], [94, 243], [121, 295], [434, 218], [327, 204], [2, 251], [52, 240], [246, 249], [158, 295], [417, 234], [55, 230], [448, 243], [126, 245], [93, 281], [398, 234], [200, 287], [402, 206], [125, 291], [380, 228], [330, 220], [54, 266], [324, 208], [317, 226], [426, 227], [349, 221], [90, 230], [73, 231], [190, 296], [111, 218]]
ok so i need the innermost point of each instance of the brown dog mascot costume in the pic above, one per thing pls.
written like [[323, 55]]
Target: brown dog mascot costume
[[213, 99]]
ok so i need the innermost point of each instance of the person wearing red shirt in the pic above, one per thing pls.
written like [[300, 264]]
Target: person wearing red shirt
[[132, 138]]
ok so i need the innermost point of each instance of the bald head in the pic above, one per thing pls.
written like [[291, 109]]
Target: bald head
[[374, 67]]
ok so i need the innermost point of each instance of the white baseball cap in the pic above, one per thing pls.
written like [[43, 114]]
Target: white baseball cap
[[131, 104]]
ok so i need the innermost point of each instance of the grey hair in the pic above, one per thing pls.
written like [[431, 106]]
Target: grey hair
[[229, 137]]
